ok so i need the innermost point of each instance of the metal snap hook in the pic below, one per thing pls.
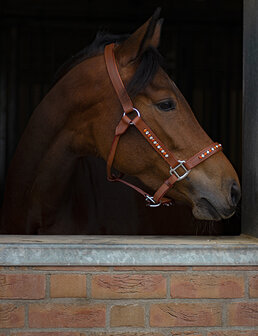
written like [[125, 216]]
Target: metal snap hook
[[150, 202]]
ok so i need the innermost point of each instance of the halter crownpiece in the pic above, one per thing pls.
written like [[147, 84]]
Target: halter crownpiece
[[178, 169]]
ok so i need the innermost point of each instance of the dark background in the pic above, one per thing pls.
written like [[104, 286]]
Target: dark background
[[202, 44]]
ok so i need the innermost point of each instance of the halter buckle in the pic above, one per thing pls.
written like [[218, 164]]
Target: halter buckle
[[174, 170]]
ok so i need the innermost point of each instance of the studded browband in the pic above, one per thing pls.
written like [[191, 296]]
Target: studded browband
[[179, 169]]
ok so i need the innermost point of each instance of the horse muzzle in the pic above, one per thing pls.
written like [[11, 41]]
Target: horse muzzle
[[214, 206]]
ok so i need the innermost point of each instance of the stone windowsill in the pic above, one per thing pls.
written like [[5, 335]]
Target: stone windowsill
[[127, 250]]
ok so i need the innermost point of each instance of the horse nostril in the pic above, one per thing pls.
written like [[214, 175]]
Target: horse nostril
[[235, 194]]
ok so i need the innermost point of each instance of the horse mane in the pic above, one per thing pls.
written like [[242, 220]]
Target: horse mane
[[148, 65]]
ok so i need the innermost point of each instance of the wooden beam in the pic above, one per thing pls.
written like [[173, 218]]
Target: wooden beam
[[250, 120]]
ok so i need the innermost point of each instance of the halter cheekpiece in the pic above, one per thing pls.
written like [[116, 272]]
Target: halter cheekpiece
[[178, 169]]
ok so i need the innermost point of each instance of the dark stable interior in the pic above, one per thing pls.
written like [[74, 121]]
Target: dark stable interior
[[202, 45]]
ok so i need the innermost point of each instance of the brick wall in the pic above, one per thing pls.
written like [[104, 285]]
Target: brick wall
[[129, 301]]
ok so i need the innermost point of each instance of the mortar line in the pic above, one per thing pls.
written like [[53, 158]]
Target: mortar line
[[225, 307], [168, 281], [108, 310], [88, 285], [147, 315], [247, 282], [202, 329], [26, 316], [48, 279]]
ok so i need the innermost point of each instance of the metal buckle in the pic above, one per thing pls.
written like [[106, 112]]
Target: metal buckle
[[174, 170], [150, 202]]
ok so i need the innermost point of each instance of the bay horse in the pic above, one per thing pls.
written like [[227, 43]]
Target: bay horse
[[79, 117]]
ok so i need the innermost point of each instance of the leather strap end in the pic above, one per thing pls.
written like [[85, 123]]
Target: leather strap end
[[164, 188], [122, 126]]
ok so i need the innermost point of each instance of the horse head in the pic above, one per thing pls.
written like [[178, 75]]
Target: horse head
[[212, 188]]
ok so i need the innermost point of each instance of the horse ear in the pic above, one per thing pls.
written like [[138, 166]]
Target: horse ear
[[148, 35]]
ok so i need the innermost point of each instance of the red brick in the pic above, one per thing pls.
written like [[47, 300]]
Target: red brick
[[150, 268], [185, 314], [207, 286], [127, 316], [253, 286], [17, 268], [243, 314], [118, 286], [11, 316], [46, 333], [186, 333], [67, 285], [22, 286], [233, 333], [66, 316]]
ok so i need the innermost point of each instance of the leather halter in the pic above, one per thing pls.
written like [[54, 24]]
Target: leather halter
[[178, 170]]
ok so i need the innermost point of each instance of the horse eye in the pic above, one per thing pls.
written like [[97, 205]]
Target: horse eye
[[166, 105]]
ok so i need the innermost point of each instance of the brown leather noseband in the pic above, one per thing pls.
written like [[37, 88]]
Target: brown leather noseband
[[178, 170]]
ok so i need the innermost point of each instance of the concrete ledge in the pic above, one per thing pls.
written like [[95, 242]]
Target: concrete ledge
[[127, 250]]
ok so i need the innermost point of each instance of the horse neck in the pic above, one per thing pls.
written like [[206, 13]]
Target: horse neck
[[43, 162], [45, 124]]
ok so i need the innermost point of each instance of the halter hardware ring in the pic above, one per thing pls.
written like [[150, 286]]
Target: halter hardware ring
[[134, 109], [174, 170], [151, 203]]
